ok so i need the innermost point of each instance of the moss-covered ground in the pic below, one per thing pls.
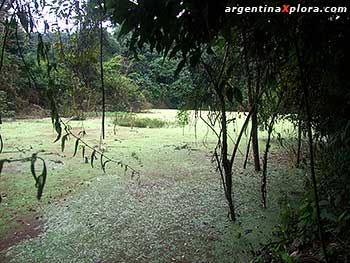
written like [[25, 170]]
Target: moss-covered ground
[[174, 212]]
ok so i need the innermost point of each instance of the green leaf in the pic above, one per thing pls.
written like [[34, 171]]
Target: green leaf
[[158, 47], [104, 165], [32, 168], [67, 128], [41, 181], [83, 151], [92, 158], [1, 165], [40, 49], [180, 67], [286, 258], [76, 146], [221, 42], [167, 48], [57, 123], [63, 141], [101, 160], [58, 135], [1, 144]]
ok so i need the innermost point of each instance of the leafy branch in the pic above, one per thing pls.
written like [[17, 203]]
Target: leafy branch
[[1, 144], [40, 179], [95, 153]]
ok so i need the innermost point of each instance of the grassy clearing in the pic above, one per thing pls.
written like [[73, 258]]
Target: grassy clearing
[[175, 212]]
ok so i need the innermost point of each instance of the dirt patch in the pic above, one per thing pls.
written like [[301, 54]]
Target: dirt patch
[[27, 229]]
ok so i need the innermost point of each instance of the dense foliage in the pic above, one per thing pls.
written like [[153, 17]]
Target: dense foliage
[[132, 84]]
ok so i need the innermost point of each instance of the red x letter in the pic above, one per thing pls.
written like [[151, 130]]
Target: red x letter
[[285, 9]]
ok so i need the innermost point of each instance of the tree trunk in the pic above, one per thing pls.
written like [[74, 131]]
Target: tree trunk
[[255, 140], [225, 161], [305, 89], [102, 81], [255, 137], [264, 174], [299, 144], [265, 158], [251, 98], [247, 152], [102, 14]]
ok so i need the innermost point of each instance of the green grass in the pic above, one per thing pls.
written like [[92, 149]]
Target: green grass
[[175, 211]]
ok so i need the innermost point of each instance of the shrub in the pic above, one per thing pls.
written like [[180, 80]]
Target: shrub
[[127, 119], [6, 106]]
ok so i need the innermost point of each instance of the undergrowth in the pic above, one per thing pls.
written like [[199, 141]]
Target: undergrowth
[[127, 119]]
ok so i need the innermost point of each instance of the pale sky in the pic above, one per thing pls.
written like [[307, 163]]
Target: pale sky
[[55, 22]]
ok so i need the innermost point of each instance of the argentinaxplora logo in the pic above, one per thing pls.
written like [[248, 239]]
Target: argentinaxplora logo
[[285, 8]]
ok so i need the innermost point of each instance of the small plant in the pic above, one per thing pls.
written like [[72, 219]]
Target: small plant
[[80, 116], [183, 119]]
